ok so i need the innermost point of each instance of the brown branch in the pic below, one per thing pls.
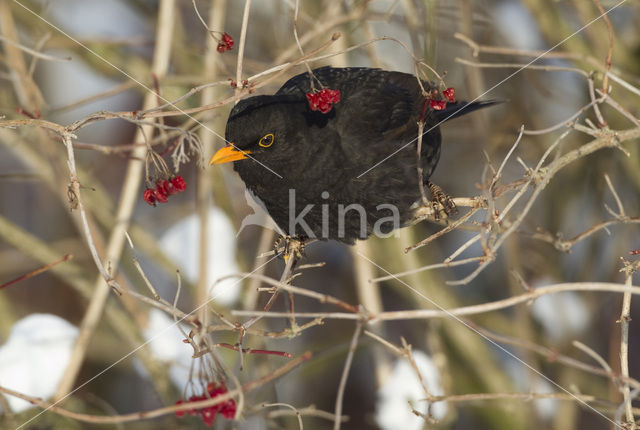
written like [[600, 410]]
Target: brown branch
[[607, 61], [36, 271], [525, 297]]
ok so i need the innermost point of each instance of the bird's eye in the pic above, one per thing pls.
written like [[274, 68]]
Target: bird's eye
[[266, 140]]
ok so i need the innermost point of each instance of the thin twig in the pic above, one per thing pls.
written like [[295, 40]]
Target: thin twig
[[345, 375], [608, 60], [148, 283], [36, 272], [617, 106], [33, 52], [241, 44], [286, 273], [625, 316], [297, 413], [525, 297], [621, 213]]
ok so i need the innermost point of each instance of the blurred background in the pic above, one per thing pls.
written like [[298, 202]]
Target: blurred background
[[65, 60]]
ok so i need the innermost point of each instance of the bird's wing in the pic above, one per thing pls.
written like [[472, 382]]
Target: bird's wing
[[376, 108], [379, 109], [327, 76], [381, 100]]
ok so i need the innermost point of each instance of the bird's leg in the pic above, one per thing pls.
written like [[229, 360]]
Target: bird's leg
[[290, 246], [279, 244], [445, 200]]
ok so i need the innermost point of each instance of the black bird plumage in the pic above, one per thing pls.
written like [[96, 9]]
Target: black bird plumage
[[323, 156]]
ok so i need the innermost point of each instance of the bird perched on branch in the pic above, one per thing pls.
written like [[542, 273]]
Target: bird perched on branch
[[333, 155]]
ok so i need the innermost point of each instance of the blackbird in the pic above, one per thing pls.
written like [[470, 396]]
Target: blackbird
[[320, 173]]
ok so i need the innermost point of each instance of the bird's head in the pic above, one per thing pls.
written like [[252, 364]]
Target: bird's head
[[257, 128]]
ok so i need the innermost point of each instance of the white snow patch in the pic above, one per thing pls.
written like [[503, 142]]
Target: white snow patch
[[546, 408], [97, 19], [165, 341], [181, 242], [518, 26], [562, 315], [528, 381], [35, 356], [403, 386]]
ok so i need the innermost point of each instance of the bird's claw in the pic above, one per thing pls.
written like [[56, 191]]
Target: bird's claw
[[290, 246], [439, 197]]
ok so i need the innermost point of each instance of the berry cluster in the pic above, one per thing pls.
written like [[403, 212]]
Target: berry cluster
[[164, 188], [244, 84], [449, 94], [323, 100], [226, 409], [225, 44]]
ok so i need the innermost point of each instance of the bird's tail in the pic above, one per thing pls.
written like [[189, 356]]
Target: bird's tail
[[454, 110]]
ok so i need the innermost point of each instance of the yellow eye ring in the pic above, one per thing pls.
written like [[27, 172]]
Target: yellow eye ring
[[266, 140]]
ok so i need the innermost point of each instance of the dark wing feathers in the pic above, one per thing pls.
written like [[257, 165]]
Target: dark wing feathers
[[371, 94], [327, 76], [377, 105], [394, 92], [377, 109]]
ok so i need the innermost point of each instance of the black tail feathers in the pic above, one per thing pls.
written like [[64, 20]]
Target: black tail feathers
[[454, 110]]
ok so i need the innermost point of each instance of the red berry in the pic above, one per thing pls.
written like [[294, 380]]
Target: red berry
[[332, 96], [323, 100], [167, 187], [208, 416], [437, 104], [227, 40], [312, 98], [161, 186], [171, 189], [195, 399], [226, 44], [228, 409], [160, 195], [214, 389], [180, 414], [149, 196], [179, 183], [450, 94]]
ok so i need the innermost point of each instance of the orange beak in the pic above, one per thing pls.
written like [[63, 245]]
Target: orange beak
[[227, 154]]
